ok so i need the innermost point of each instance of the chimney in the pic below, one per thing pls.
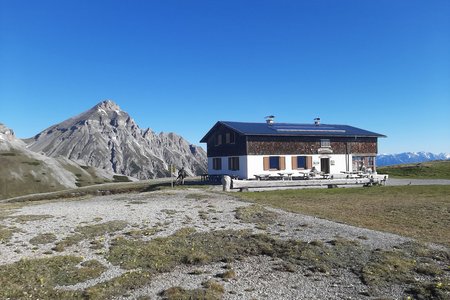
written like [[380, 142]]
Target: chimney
[[269, 119], [317, 121]]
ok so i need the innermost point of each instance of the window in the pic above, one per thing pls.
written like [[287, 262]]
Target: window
[[325, 143], [230, 138], [301, 162], [274, 163], [217, 163], [233, 163], [218, 140], [363, 162]]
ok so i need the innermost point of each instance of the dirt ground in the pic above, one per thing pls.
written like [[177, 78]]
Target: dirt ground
[[92, 228]]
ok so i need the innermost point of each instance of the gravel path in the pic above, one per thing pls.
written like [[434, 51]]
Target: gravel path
[[256, 277]]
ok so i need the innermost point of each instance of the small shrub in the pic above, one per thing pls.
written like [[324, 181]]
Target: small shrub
[[8, 154], [229, 274], [121, 178], [32, 163], [44, 238]]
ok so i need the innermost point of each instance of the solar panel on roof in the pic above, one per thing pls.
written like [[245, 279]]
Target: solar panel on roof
[[306, 128]]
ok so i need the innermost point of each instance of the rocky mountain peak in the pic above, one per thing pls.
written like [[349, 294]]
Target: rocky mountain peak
[[108, 105], [107, 137], [5, 131]]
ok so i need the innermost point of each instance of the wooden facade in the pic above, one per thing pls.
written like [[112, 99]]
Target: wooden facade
[[257, 145]]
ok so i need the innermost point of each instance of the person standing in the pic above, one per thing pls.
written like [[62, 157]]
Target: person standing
[[182, 174]]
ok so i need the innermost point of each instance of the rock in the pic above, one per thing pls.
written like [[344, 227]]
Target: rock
[[108, 138]]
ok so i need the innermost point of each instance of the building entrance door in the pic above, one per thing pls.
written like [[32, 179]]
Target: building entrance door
[[325, 165]]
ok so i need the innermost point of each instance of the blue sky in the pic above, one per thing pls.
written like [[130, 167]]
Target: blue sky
[[182, 65]]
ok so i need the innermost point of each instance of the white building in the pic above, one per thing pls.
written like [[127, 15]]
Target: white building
[[244, 150]]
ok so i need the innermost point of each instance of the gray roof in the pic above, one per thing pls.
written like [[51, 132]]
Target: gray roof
[[293, 129]]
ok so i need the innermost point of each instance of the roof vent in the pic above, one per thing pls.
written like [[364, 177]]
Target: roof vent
[[269, 119], [317, 121]]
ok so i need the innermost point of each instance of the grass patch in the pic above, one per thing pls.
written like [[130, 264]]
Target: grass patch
[[421, 212], [210, 290], [169, 212], [137, 202], [378, 269], [92, 231], [32, 163], [31, 218], [44, 238], [37, 278], [68, 241], [197, 196], [140, 233], [192, 248], [425, 170], [389, 267], [256, 214], [6, 233], [117, 286], [121, 178], [8, 154], [89, 232]]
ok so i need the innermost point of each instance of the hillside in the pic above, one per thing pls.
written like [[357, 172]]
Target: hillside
[[425, 170], [24, 172]]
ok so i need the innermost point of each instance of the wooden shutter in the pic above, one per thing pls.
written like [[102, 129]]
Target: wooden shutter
[[266, 163], [309, 162], [294, 162], [282, 163]]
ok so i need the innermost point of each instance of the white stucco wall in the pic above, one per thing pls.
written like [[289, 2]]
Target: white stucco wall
[[241, 173], [253, 165]]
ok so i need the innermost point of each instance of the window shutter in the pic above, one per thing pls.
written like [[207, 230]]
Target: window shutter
[[282, 163], [266, 163], [309, 162], [294, 162]]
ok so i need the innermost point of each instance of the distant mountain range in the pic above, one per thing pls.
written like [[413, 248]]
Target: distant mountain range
[[409, 157]]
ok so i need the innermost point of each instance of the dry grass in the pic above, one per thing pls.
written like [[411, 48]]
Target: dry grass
[[256, 214], [425, 170], [44, 238], [117, 286], [421, 212], [211, 290], [30, 218], [379, 269], [6, 233], [37, 278], [90, 232]]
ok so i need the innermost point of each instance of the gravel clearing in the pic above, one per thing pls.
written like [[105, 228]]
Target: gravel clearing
[[168, 211]]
